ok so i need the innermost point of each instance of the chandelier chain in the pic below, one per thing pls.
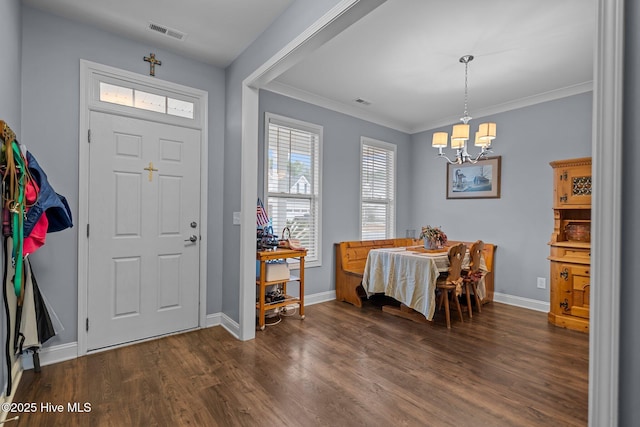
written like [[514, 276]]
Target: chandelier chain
[[465, 60], [466, 91], [460, 135]]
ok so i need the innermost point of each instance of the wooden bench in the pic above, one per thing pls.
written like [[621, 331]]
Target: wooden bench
[[351, 258]]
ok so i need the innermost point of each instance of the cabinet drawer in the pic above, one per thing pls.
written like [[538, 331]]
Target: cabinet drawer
[[577, 254], [580, 311], [580, 270]]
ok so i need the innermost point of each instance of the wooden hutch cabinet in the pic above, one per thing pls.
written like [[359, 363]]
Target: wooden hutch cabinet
[[570, 253]]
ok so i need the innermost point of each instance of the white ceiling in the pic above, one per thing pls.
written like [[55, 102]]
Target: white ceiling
[[217, 31], [403, 57]]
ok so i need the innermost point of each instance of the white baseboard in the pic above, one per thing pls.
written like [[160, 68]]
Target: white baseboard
[[16, 376], [529, 303], [51, 355], [318, 298], [231, 326], [221, 319], [213, 320]]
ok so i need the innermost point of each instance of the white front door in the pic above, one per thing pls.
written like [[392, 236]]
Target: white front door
[[144, 205]]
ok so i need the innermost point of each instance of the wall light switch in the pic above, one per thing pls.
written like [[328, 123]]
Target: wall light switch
[[236, 218], [542, 283]]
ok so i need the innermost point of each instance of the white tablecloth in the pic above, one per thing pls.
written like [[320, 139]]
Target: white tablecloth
[[409, 276]]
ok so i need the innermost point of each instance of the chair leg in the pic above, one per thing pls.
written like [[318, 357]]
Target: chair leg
[[467, 292], [478, 302], [457, 303], [445, 297]]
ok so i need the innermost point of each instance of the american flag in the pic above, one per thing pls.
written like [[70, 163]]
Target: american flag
[[262, 217]]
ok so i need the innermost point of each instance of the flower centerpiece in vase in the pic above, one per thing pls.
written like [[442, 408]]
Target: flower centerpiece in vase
[[434, 237]]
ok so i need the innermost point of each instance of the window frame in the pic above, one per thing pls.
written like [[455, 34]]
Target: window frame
[[366, 141], [179, 120], [271, 118]]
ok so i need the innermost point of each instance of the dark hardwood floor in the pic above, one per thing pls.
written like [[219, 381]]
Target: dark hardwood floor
[[341, 366]]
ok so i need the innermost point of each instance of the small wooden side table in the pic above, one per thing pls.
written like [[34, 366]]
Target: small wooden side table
[[262, 256]]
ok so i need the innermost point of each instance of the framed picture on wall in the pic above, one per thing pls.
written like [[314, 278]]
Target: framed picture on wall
[[479, 180]]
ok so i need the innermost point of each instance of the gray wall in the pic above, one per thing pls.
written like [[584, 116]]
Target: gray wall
[[340, 176], [10, 76], [298, 17], [629, 391], [520, 222], [54, 46], [10, 105]]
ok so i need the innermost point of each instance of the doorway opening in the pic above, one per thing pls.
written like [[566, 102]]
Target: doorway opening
[[607, 162]]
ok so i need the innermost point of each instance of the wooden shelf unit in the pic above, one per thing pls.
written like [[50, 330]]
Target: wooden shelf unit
[[262, 306], [570, 245]]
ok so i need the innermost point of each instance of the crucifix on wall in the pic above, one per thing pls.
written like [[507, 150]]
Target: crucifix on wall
[[151, 59]]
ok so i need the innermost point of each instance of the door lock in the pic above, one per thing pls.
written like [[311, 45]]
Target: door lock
[[193, 224], [193, 238]]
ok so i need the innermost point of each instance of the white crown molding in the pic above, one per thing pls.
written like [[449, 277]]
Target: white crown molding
[[354, 111], [528, 101], [330, 104]]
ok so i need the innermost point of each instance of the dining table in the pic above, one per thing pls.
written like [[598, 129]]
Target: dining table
[[409, 275]]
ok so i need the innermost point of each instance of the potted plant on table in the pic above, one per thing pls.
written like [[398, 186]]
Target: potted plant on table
[[434, 237]]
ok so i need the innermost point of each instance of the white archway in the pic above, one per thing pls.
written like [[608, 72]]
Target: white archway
[[607, 162]]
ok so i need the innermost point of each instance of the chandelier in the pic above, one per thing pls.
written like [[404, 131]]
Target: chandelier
[[460, 133]]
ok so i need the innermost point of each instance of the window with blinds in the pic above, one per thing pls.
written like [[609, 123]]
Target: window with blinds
[[292, 180], [377, 189]]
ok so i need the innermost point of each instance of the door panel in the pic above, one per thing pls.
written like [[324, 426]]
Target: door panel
[[144, 192]]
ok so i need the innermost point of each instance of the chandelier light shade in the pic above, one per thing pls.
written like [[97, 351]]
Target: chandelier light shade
[[457, 144], [440, 140], [487, 132], [460, 134]]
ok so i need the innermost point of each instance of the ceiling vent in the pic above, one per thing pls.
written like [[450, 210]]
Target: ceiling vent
[[169, 32], [362, 101]]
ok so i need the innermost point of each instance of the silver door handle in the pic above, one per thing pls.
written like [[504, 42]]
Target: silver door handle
[[193, 238]]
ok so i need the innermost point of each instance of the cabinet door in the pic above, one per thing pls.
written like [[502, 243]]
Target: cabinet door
[[573, 186], [570, 289], [561, 299], [581, 284]]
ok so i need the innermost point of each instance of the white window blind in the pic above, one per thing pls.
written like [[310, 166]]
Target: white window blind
[[292, 167], [377, 185]]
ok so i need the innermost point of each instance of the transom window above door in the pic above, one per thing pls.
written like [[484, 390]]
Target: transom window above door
[[132, 97]]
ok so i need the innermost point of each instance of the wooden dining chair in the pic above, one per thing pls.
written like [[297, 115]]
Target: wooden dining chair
[[450, 286], [471, 277]]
